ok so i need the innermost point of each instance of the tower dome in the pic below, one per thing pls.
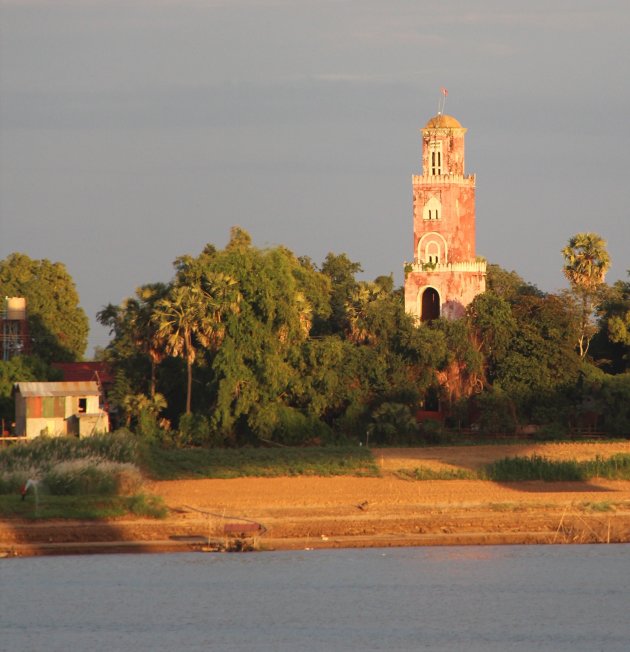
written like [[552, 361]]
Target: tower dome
[[443, 121]]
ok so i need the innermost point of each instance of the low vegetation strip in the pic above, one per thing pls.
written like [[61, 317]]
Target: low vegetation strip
[[65, 477], [535, 467], [46, 506], [44, 452], [426, 473], [174, 464], [103, 464], [515, 469]]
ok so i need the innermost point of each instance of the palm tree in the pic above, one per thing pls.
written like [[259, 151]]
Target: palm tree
[[586, 263], [135, 404], [132, 323], [191, 316], [143, 329]]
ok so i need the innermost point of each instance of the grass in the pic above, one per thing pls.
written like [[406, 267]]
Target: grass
[[425, 473], [81, 507], [172, 464], [536, 467], [602, 506], [92, 478], [517, 469], [508, 507], [43, 452], [103, 464]]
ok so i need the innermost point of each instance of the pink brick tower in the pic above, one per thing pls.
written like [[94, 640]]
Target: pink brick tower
[[445, 275]]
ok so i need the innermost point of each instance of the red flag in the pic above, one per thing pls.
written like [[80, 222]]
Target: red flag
[[444, 91]]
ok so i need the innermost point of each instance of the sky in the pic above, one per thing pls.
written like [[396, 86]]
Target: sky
[[135, 131]]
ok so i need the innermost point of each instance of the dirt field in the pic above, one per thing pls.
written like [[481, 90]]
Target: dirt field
[[313, 512]]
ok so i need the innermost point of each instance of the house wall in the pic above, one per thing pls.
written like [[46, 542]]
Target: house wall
[[72, 405], [54, 415], [20, 415], [91, 424]]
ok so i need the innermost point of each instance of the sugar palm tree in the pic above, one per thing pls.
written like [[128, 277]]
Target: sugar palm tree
[[143, 328], [191, 316], [586, 262], [132, 323]]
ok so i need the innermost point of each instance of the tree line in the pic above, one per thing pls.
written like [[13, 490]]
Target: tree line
[[248, 345]]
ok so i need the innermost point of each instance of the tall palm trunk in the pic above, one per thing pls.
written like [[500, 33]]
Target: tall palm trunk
[[189, 388], [152, 384]]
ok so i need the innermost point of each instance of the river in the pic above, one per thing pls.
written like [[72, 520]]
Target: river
[[471, 599]]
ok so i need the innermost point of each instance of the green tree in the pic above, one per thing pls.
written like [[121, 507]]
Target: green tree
[[392, 423], [58, 326], [508, 285], [586, 262], [612, 343], [341, 271], [132, 320], [144, 410], [541, 358], [460, 371], [191, 316], [255, 371], [493, 326]]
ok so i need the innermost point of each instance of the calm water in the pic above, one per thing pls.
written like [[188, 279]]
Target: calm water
[[470, 598]]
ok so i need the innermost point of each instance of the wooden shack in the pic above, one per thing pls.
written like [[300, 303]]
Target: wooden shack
[[57, 409]]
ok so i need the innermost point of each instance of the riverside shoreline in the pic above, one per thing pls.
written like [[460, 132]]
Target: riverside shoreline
[[307, 512]]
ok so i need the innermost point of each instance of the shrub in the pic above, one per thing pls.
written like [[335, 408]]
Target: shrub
[[293, 427], [497, 414], [92, 476], [433, 432], [147, 506], [66, 465], [392, 423], [196, 430], [514, 469], [42, 452], [551, 432]]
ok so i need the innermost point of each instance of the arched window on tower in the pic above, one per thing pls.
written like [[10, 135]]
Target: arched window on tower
[[432, 252], [430, 305], [435, 158], [432, 210], [432, 248]]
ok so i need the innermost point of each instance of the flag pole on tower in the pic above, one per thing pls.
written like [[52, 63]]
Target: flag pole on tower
[[442, 102]]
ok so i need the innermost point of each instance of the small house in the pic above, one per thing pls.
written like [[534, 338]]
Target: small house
[[56, 409]]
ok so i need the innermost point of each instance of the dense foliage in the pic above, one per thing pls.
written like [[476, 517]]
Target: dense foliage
[[250, 346], [279, 350], [58, 326], [271, 348]]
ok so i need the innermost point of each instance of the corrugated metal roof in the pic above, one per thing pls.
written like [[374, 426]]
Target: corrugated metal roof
[[82, 388]]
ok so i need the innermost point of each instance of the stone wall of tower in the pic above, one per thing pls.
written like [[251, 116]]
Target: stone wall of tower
[[457, 224], [444, 258], [457, 287]]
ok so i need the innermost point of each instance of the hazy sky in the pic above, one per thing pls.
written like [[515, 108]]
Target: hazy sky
[[134, 131]]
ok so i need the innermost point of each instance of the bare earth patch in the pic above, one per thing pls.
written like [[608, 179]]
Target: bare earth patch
[[310, 512]]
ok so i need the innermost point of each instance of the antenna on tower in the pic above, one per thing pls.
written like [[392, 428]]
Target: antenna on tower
[[442, 102]]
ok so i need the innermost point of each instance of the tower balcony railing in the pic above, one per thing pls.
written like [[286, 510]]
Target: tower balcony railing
[[476, 266], [443, 178]]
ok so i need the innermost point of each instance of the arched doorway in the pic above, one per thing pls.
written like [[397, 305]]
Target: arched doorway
[[430, 305]]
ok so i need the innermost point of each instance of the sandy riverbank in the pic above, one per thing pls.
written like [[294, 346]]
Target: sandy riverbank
[[314, 512]]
